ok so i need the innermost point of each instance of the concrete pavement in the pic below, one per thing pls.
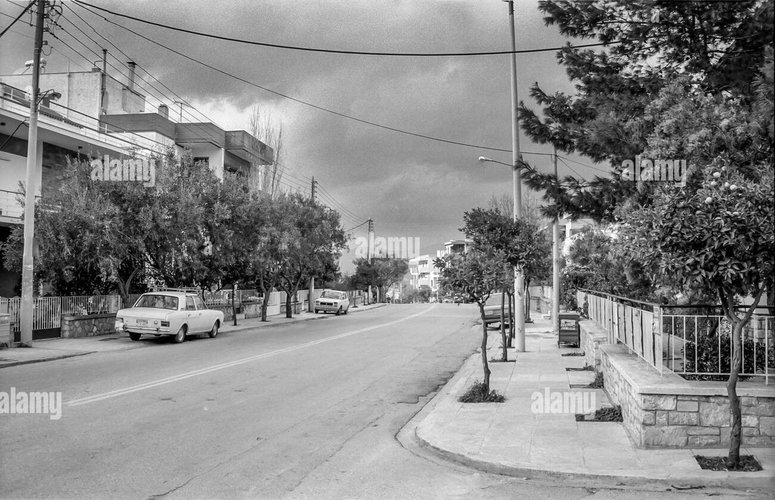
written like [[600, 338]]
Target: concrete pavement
[[53, 349], [510, 438]]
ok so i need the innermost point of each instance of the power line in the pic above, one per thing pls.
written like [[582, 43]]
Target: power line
[[584, 164], [17, 17], [332, 51], [356, 227], [297, 100], [325, 192], [162, 97]]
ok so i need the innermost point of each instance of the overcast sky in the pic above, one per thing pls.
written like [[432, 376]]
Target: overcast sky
[[410, 186]]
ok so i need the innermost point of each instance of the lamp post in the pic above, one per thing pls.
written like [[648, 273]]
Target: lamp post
[[516, 160]]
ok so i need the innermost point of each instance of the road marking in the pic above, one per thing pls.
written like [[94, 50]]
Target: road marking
[[221, 366]]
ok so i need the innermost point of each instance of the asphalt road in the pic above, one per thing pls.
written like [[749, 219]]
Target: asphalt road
[[309, 410]]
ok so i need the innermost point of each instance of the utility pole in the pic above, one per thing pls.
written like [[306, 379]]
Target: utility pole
[[311, 293], [519, 276], [370, 248], [26, 306], [556, 261], [104, 83]]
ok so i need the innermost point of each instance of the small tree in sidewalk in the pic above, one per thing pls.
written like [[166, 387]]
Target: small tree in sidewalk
[[720, 239], [475, 275]]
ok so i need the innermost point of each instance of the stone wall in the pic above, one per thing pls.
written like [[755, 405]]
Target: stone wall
[[667, 411], [88, 326], [592, 337]]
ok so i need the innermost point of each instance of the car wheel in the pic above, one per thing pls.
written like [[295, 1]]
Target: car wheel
[[214, 330], [316, 311], [345, 311], [181, 335], [134, 336], [339, 311]]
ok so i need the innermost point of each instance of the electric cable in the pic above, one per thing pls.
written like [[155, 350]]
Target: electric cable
[[332, 51], [17, 18]]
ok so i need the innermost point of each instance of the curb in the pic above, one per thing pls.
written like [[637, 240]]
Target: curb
[[232, 329], [411, 430], [269, 324], [42, 360], [583, 479]]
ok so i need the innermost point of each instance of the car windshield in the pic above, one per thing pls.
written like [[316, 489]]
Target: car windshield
[[330, 294], [158, 302]]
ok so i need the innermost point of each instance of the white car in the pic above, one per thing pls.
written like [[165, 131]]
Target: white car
[[169, 313], [332, 301]]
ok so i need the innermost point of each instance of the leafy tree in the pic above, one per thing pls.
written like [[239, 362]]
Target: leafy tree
[[522, 243], [313, 243], [719, 238], [719, 51], [271, 232], [173, 217], [380, 273], [229, 221], [474, 275]]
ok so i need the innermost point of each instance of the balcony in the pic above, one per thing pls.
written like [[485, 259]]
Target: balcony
[[248, 148], [192, 134], [139, 122]]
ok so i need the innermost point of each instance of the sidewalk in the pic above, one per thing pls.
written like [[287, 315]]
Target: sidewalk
[[509, 438], [53, 349]]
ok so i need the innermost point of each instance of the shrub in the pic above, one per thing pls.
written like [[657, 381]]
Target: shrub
[[713, 354], [478, 394]]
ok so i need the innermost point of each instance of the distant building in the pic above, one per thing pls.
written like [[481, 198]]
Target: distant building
[[422, 271]]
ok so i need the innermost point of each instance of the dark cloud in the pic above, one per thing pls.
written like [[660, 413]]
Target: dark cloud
[[409, 185]]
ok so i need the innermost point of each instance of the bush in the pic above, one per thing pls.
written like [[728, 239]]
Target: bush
[[718, 345], [478, 394]]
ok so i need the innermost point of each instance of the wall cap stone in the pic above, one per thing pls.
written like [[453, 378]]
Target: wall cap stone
[[645, 379]]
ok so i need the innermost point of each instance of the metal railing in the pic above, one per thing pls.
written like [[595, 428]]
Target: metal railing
[[698, 342], [693, 341], [9, 204], [633, 323]]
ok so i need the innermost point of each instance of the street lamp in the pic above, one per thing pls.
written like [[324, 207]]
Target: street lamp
[[516, 160]]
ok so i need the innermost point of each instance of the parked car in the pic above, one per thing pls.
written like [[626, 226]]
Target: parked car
[[492, 310], [176, 313], [332, 301]]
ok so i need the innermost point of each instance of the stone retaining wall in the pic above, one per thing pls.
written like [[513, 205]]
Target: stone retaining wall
[[592, 337], [667, 411], [88, 326]]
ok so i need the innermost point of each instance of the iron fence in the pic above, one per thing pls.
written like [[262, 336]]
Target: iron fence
[[693, 341], [698, 342]]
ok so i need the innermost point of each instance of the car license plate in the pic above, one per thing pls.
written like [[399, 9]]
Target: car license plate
[[141, 321]]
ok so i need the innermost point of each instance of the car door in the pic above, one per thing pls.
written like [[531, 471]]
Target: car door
[[205, 318], [193, 316]]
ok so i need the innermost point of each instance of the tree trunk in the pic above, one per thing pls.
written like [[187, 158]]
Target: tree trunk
[[485, 366], [511, 317], [264, 304], [504, 355], [288, 305], [233, 299], [734, 401]]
